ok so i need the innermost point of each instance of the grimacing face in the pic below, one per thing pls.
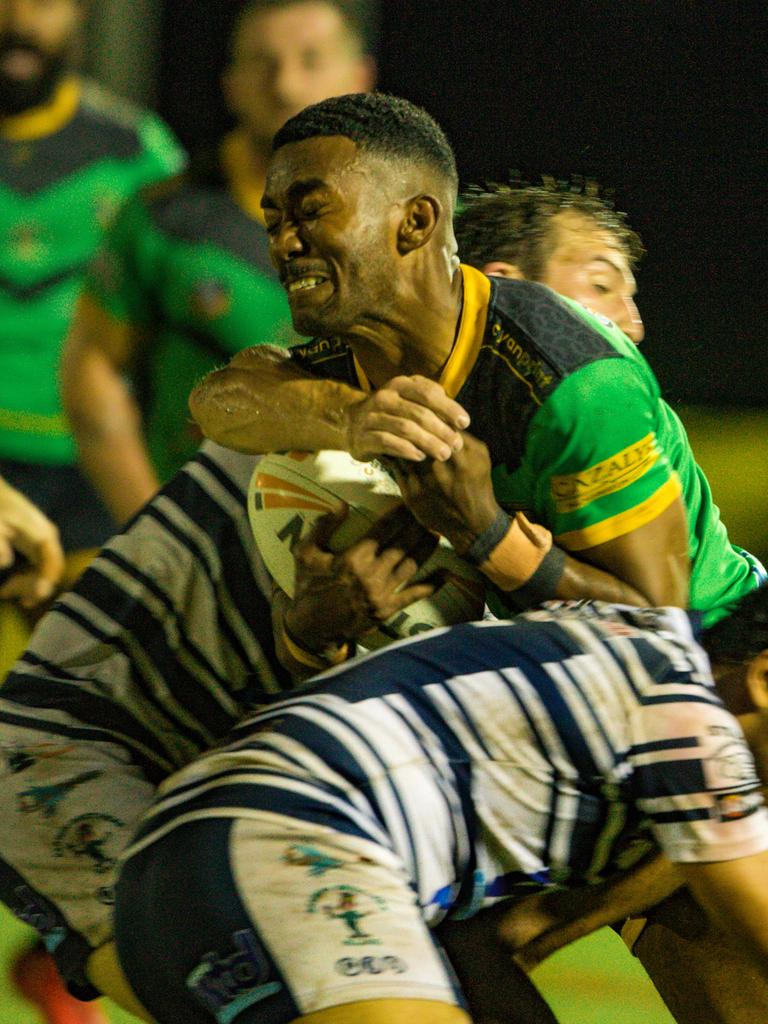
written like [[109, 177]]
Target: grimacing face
[[332, 226], [288, 58], [587, 264], [36, 37]]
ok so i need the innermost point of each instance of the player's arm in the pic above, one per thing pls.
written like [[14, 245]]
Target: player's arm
[[263, 401], [104, 416], [539, 925], [456, 498]]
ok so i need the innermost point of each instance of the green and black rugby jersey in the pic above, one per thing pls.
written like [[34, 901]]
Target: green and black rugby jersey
[[65, 168], [186, 265], [578, 434]]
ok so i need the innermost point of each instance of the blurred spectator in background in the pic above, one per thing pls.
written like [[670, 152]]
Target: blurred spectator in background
[[183, 280], [69, 155]]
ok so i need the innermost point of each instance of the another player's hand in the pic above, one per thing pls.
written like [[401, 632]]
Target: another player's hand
[[409, 418], [25, 530], [454, 498], [341, 597]]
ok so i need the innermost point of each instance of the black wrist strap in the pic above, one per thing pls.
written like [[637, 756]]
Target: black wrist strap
[[483, 545], [541, 586]]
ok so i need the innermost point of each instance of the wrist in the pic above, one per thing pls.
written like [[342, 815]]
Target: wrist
[[313, 656]]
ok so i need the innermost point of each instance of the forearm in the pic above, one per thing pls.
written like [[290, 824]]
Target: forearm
[[112, 450], [262, 403]]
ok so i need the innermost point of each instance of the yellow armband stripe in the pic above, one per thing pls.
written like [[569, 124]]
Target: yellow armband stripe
[[624, 522]]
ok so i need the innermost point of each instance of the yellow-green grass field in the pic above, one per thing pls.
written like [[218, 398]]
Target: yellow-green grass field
[[594, 982]]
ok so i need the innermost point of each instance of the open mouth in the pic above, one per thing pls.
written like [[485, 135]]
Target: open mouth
[[305, 284]]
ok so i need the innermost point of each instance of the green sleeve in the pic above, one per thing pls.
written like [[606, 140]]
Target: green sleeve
[[126, 260], [162, 154], [594, 456]]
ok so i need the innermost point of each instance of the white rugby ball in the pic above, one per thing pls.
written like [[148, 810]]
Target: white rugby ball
[[289, 492]]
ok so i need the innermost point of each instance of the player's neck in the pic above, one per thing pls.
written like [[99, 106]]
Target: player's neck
[[416, 336]]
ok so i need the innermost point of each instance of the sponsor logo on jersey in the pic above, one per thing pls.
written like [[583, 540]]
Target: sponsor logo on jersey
[[529, 367], [352, 966], [350, 906], [210, 298], [575, 490], [734, 806], [227, 985], [89, 837]]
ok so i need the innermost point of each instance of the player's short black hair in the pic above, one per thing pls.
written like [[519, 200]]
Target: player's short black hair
[[353, 14], [502, 222], [743, 634], [378, 123]]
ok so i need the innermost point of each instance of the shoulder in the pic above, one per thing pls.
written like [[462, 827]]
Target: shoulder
[[129, 127]]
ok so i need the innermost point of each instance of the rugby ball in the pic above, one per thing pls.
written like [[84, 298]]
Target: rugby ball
[[288, 493]]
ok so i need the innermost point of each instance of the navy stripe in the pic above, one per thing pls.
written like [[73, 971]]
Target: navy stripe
[[185, 643], [35, 661], [260, 796], [80, 708], [669, 778], [385, 774], [138, 622], [226, 481], [668, 817], [678, 698], [150, 768], [685, 742], [544, 751], [87, 708], [442, 784]]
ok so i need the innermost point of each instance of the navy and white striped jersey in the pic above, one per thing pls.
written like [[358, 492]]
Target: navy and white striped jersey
[[493, 755], [163, 645]]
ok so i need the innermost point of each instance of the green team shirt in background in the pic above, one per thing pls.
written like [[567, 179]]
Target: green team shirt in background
[[64, 170], [186, 265], [578, 434]]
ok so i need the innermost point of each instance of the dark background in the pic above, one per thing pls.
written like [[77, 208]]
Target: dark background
[[663, 102]]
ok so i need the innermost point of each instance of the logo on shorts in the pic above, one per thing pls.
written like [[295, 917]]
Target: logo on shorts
[[350, 905], [88, 836], [27, 906], [228, 985], [315, 860], [351, 966], [46, 799]]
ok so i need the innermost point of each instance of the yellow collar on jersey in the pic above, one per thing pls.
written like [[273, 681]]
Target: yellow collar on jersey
[[469, 337], [246, 185], [47, 119]]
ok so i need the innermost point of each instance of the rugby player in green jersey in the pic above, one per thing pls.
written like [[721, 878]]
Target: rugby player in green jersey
[[183, 280], [70, 154], [359, 208]]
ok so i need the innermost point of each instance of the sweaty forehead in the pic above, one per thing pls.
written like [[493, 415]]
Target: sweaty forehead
[[332, 160]]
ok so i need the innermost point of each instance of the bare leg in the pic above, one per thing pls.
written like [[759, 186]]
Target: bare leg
[[497, 990]]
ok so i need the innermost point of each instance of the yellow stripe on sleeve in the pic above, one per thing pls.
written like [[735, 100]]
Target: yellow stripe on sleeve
[[624, 522]]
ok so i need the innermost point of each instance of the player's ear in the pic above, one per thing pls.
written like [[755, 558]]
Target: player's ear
[[500, 268], [420, 218], [757, 680]]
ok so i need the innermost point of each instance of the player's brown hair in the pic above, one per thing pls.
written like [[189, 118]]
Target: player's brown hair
[[513, 224]]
